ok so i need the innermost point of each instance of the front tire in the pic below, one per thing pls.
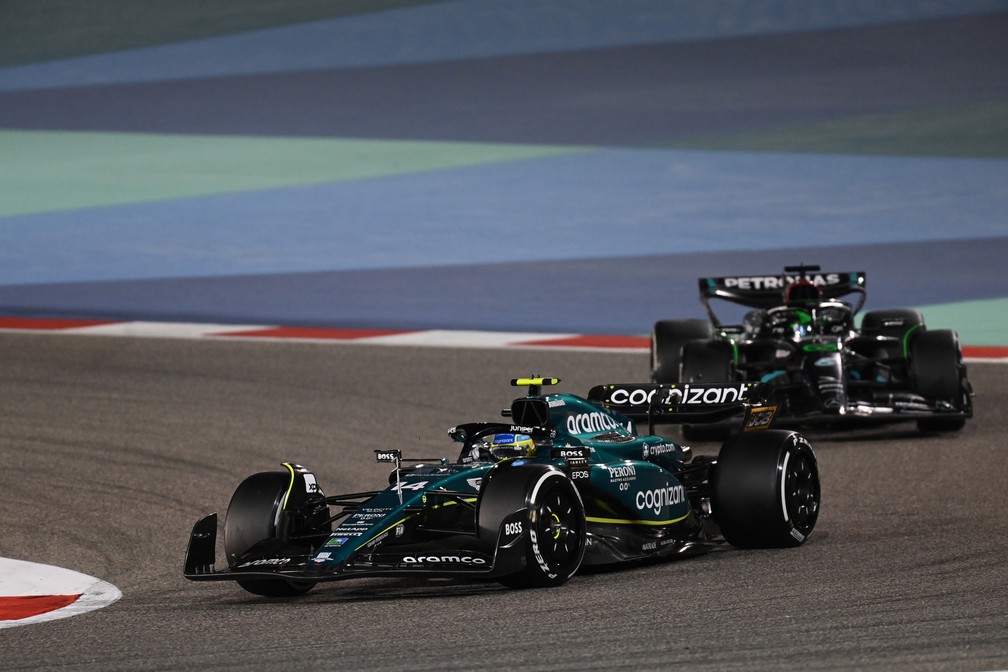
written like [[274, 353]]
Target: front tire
[[667, 340], [251, 519], [766, 489], [554, 520], [938, 374], [707, 362], [891, 323]]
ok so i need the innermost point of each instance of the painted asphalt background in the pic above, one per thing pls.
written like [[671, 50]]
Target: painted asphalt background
[[446, 231], [120, 197], [469, 29]]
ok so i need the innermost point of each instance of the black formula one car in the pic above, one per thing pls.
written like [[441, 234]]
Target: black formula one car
[[799, 339], [568, 481]]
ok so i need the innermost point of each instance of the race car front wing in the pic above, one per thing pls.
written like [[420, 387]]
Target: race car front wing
[[455, 555]]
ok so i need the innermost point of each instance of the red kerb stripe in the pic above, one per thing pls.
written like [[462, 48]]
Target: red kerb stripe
[[589, 341], [985, 351], [39, 323], [17, 607]]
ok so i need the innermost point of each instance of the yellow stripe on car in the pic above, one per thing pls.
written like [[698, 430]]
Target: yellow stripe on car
[[627, 521]]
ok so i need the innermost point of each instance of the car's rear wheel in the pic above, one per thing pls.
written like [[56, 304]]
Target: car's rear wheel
[[938, 374], [554, 519], [252, 519], [667, 340], [766, 489]]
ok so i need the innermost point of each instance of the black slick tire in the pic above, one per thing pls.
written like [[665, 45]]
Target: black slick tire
[[251, 519], [766, 490], [892, 323], [667, 340], [554, 521], [707, 361], [938, 374]]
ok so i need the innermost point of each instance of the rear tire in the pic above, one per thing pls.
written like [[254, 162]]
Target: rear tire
[[251, 519], [667, 340], [766, 489], [555, 521], [892, 323], [938, 374]]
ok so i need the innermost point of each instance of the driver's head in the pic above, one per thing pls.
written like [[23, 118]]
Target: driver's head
[[504, 446], [802, 293]]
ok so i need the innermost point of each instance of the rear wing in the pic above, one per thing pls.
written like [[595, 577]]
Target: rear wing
[[767, 291], [687, 403]]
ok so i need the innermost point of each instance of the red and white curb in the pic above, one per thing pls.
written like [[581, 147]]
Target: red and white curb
[[34, 593], [415, 338], [430, 337]]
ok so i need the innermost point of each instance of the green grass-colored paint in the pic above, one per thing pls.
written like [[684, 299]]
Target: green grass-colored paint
[[51, 171]]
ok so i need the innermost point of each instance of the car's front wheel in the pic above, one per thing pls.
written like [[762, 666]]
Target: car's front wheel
[[553, 519], [252, 519], [938, 374], [766, 489], [707, 361], [667, 340], [891, 323]]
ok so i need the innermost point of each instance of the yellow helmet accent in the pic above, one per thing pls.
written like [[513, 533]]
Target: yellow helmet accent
[[507, 445]]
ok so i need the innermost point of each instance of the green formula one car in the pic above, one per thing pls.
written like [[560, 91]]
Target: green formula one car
[[566, 481]]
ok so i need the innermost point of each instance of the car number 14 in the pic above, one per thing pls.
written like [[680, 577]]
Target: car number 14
[[401, 485]]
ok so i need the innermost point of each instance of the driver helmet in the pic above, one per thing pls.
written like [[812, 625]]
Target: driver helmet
[[802, 292], [753, 322], [504, 446]]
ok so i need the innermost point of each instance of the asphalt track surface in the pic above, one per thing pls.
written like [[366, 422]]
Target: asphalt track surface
[[114, 446]]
